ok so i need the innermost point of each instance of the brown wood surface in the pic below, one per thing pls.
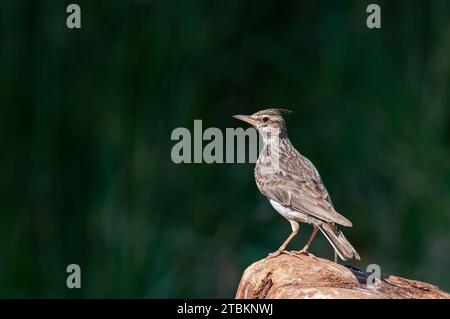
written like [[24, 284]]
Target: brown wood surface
[[288, 276]]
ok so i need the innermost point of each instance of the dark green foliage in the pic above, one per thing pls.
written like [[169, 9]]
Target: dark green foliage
[[86, 117]]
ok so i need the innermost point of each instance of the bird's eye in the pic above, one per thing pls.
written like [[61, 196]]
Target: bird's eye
[[265, 119]]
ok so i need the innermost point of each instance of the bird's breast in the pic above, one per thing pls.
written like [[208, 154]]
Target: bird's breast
[[264, 173]]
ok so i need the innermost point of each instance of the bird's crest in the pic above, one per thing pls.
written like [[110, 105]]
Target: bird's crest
[[274, 111]]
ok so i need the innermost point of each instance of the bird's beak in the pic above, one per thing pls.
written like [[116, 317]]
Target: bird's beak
[[246, 118]]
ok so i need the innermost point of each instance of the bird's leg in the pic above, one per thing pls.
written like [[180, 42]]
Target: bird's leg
[[305, 249], [281, 250]]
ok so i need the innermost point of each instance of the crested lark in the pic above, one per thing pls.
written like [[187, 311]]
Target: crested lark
[[293, 185]]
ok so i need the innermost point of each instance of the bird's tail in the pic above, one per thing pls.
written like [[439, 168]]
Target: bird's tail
[[340, 244]]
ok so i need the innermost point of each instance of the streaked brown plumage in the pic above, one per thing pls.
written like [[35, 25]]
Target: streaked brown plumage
[[293, 185]]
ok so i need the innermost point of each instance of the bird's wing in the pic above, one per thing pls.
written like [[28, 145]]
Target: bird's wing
[[301, 189], [304, 198]]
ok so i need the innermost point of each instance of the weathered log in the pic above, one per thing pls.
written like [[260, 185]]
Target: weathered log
[[305, 276]]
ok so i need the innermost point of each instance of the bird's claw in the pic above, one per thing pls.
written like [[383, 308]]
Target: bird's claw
[[284, 252], [278, 253], [298, 254], [304, 252], [274, 254]]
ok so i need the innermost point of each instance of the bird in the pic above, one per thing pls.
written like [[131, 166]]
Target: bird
[[294, 187]]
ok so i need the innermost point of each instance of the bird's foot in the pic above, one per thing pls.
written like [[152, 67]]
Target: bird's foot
[[298, 253], [295, 254], [278, 253], [304, 251], [274, 254]]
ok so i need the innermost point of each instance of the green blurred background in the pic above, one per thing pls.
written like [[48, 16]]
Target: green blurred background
[[86, 118]]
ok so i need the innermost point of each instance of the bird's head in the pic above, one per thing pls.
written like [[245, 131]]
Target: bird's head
[[267, 122]]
